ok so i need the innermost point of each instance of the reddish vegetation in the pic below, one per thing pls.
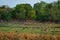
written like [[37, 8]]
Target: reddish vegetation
[[27, 36]]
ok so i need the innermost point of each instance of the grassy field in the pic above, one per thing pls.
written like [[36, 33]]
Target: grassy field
[[29, 31], [42, 28]]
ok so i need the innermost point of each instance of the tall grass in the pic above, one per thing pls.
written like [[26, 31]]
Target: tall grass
[[27, 36]]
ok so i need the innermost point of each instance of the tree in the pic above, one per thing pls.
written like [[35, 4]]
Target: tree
[[5, 13], [22, 11], [53, 10], [32, 14], [40, 10]]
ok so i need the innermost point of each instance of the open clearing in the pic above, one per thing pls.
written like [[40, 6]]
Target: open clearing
[[42, 28]]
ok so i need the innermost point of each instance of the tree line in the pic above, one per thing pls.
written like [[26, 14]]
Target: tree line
[[40, 12]]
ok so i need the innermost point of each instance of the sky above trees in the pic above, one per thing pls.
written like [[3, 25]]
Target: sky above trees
[[13, 3]]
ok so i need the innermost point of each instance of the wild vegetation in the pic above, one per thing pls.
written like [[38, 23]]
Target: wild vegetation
[[15, 25], [40, 12], [27, 36], [39, 28]]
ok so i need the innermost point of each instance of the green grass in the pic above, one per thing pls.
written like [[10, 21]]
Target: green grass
[[29, 27]]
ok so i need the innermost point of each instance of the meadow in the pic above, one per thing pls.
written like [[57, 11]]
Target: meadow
[[29, 31], [29, 27]]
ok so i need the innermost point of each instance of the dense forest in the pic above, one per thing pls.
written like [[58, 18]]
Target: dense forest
[[40, 12]]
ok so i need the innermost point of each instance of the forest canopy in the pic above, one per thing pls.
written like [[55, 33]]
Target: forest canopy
[[40, 12]]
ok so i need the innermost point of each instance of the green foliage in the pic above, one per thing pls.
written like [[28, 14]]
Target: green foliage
[[53, 10], [20, 12], [5, 14], [41, 11], [32, 14]]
